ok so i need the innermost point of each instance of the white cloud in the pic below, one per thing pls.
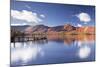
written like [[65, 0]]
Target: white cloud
[[84, 17], [79, 25], [25, 15], [18, 24], [43, 16]]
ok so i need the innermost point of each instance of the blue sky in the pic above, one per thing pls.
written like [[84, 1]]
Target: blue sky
[[52, 14]]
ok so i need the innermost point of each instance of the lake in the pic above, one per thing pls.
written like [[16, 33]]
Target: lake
[[53, 50]]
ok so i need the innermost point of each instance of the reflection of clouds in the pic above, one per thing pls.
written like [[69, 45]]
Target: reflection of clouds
[[17, 45], [26, 54], [84, 52], [79, 44], [84, 49]]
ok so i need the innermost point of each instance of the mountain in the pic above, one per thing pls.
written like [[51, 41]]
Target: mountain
[[87, 29], [43, 28], [40, 28], [56, 28], [20, 28], [66, 27]]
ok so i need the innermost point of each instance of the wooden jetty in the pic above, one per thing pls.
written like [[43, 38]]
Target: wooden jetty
[[29, 37]]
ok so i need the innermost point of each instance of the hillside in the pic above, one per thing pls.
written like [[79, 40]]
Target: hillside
[[69, 29]]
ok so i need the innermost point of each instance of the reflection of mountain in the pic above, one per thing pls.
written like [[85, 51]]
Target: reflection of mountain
[[68, 39], [40, 28], [61, 28]]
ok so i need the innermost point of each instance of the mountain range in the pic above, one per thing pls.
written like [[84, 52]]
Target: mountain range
[[44, 28]]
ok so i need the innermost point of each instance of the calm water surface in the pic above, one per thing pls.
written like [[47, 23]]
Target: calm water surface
[[55, 49]]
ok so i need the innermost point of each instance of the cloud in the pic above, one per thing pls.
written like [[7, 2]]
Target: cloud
[[18, 24], [43, 16], [84, 17], [25, 15], [79, 25]]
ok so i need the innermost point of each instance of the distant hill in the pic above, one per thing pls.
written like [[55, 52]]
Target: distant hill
[[66, 27], [40, 28], [20, 28], [43, 28], [87, 29]]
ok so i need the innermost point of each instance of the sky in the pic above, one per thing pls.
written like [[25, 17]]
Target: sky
[[51, 14]]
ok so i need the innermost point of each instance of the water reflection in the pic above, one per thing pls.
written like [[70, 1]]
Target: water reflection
[[55, 49], [84, 52], [28, 43], [25, 53]]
